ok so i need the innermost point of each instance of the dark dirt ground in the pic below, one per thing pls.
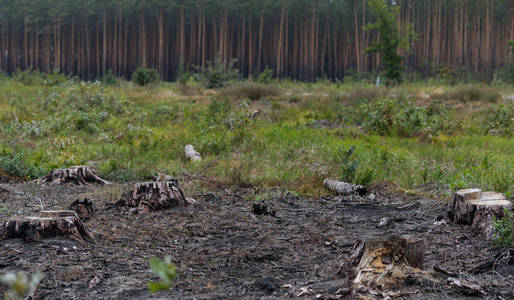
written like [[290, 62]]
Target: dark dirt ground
[[224, 251]]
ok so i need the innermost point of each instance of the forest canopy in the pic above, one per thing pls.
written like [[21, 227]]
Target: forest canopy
[[302, 39]]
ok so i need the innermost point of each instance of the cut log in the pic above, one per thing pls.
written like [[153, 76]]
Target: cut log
[[79, 175], [385, 262], [344, 188], [84, 209], [192, 154], [47, 224], [476, 208], [149, 196]]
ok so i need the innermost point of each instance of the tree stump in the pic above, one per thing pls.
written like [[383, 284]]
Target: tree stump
[[47, 224], [79, 175], [385, 262], [85, 209], [4, 194], [149, 196], [476, 208], [344, 188]]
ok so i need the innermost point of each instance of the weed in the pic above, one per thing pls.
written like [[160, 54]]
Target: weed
[[502, 230], [20, 285], [166, 272], [366, 177]]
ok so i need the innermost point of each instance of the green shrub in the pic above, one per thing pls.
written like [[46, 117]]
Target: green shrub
[[266, 76], [506, 72], [218, 73], [29, 77], [15, 165], [251, 90], [109, 78], [500, 119], [471, 93], [405, 118], [144, 76], [55, 79], [502, 230], [32, 78]]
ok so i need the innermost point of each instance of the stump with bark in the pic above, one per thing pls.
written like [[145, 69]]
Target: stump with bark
[[79, 175], [4, 194], [344, 188], [84, 208], [47, 224], [382, 263], [149, 196], [476, 208]]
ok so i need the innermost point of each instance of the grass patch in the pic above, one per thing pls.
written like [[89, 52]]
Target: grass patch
[[470, 93], [251, 90], [128, 134]]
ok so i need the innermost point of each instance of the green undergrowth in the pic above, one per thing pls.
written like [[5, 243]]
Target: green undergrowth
[[129, 133]]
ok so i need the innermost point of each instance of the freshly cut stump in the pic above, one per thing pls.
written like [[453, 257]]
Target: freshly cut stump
[[47, 224], [344, 188], [149, 196], [79, 175], [385, 263], [476, 208]]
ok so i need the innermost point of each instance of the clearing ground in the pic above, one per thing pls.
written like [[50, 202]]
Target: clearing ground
[[225, 251]]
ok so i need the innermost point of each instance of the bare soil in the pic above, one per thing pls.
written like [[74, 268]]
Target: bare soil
[[224, 251]]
